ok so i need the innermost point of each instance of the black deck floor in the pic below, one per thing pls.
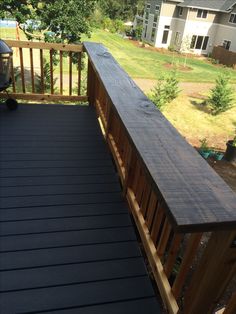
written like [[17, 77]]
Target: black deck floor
[[67, 244]]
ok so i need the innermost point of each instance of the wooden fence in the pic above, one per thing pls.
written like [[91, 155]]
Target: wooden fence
[[224, 56]]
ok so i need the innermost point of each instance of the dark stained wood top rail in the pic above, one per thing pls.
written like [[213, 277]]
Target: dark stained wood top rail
[[196, 198], [43, 45]]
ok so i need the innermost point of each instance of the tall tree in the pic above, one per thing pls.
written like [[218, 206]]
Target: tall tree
[[67, 19], [121, 9]]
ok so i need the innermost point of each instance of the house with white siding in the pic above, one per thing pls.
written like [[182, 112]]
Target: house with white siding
[[190, 25]]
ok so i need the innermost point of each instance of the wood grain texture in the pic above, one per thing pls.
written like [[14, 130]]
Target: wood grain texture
[[197, 199]]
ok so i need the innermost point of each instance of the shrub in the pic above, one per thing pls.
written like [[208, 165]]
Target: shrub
[[119, 26], [138, 32], [222, 95], [107, 23], [165, 90]]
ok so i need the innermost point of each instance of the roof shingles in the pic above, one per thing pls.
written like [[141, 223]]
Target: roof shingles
[[216, 5]]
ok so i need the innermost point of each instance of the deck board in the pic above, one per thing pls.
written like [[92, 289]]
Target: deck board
[[67, 244]]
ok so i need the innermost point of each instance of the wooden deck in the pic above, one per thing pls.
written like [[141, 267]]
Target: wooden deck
[[67, 244]]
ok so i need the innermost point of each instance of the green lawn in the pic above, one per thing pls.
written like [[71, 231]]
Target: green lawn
[[143, 63], [194, 122]]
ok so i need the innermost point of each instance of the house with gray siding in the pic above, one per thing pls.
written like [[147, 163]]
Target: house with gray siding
[[190, 25]]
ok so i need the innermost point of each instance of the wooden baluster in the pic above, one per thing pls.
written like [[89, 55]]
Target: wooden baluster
[[140, 188], [32, 70], [145, 197], [13, 76], [213, 273], [173, 252], [79, 74], [51, 72], [151, 209], [157, 222], [137, 174], [126, 164], [61, 72], [70, 73], [189, 255], [41, 71], [165, 234], [22, 70]]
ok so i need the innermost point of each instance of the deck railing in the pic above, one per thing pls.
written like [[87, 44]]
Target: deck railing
[[37, 66], [184, 212]]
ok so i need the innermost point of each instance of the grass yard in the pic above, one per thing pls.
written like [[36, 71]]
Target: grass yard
[[194, 122], [145, 63]]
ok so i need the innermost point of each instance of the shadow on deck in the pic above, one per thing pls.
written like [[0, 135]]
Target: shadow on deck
[[67, 244]]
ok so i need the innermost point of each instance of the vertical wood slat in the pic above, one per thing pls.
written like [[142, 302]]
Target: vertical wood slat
[[32, 70], [231, 306], [151, 209], [41, 71], [51, 71], [213, 273], [70, 73], [13, 76], [79, 74], [140, 187], [172, 254], [157, 222], [145, 198], [61, 72], [22, 70], [137, 173], [189, 255], [165, 234]]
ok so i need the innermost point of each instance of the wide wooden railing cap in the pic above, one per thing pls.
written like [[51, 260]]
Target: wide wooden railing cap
[[197, 199]]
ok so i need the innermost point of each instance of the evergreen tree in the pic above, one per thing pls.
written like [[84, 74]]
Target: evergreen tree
[[165, 90], [222, 95]]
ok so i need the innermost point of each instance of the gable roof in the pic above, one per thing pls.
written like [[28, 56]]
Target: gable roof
[[214, 5]]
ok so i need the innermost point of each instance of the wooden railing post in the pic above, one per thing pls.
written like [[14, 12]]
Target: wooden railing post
[[215, 270]]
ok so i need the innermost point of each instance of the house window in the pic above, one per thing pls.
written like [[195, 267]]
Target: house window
[[157, 7], [202, 14], [177, 38], [148, 5], [232, 18], [146, 15], [199, 42], [146, 21], [154, 24], [181, 11], [165, 34], [153, 34], [226, 44], [155, 17]]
